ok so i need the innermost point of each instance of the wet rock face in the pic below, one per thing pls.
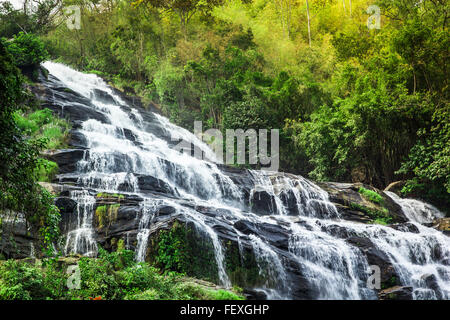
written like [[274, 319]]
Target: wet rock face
[[405, 227], [149, 183], [263, 203], [18, 238], [66, 159], [290, 202], [353, 206], [431, 283], [397, 293], [103, 96], [378, 258]]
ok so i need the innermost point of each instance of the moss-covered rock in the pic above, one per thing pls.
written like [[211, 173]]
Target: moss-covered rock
[[363, 203], [105, 215], [396, 293], [183, 248]]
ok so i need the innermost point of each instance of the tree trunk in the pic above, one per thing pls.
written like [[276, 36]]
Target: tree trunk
[[183, 22], [309, 23]]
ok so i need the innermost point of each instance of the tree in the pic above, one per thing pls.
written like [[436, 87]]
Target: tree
[[37, 16], [19, 158], [185, 9], [285, 7], [429, 162]]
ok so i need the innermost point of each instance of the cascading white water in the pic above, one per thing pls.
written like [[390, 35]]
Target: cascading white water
[[81, 238], [416, 210], [336, 269], [149, 207], [271, 268]]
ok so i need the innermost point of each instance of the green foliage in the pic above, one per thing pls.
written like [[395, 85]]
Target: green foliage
[[46, 170], [43, 125], [191, 290], [23, 281], [19, 159], [371, 195], [172, 249], [13, 21], [429, 160], [111, 276], [27, 49], [379, 216]]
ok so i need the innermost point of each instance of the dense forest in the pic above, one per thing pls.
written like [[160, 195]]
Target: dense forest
[[357, 96], [352, 103]]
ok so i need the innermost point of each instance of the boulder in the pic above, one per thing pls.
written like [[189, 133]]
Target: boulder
[[263, 203], [352, 205], [254, 294], [442, 224], [152, 184], [376, 257], [66, 159], [405, 227], [396, 293], [431, 282], [103, 97]]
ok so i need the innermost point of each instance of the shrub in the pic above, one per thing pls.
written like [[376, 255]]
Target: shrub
[[371, 195], [27, 49], [23, 281], [110, 276]]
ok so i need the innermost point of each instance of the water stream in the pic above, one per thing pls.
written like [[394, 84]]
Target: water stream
[[129, 143]]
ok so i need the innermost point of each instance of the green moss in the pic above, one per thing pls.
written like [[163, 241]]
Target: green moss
[[184, 249], [120, 245], [392, 296], [172, 248], [106, 214], [100, 213], [241, 266], [391, 282], [113, 196], [379, 216], [371, 195]]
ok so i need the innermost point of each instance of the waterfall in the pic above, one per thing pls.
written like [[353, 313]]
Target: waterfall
[[128, 150], [271, 269], [81, 238], [416, 210], [148, 210]]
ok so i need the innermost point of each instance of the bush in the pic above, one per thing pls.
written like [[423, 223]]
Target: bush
[[42, 124], [111, 276], [27, 49], [20, 280], [46, 170]]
